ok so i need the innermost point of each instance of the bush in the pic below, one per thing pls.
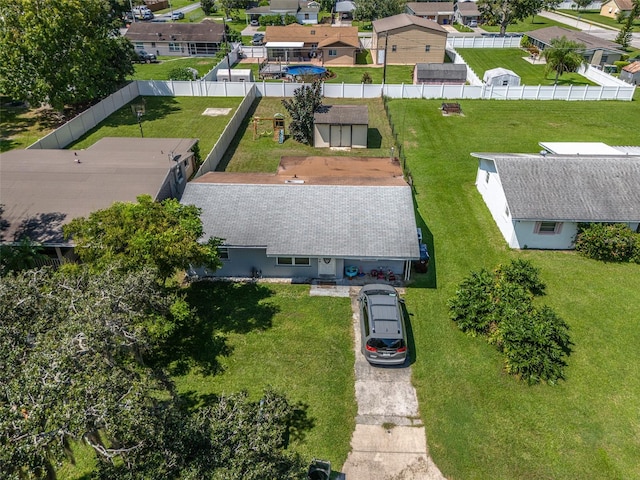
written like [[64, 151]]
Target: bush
[[366, 78], [620, 65], [183, 73], [499, 306], [608, 242]]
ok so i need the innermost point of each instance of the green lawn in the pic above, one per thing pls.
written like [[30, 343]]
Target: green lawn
[[20, 127], [160, 70], [263, 154], [595, 17], [481, 423], [527, 25], [167, 117], [483, 59]]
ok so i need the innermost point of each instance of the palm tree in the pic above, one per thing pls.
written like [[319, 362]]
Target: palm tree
[[563, 55]]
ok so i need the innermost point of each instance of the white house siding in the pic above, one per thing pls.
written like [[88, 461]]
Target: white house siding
[[494, 198], [526, 236]]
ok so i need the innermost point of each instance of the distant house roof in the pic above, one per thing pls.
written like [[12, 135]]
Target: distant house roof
[[623, 5], [468, 9], [345, 6], [44, 189], [545, 35], [430, 8], [441, 71], [571, 187], [203, 32], [365, 222], [342, 115], [405, 20], [632, 67], [284, 5], [323, 35]]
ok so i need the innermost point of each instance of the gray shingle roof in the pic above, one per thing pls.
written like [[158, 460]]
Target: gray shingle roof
[[468, 8], [310, 220], [444, 71], [591, 42], [430, 8], [342, 115], [205, 32], [572, 188], [404, 20]]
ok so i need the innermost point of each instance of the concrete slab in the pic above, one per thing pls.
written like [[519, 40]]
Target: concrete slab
[[385, 399], [374, 438]]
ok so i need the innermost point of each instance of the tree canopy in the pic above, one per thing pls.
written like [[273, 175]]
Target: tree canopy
[[563, 56], [306, 100], [61, 52], [163, 235], [77, 365], [505, 12], [369, 10]]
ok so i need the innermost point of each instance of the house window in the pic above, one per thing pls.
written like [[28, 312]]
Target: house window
[[300, 261], [313, 32], [427, 48], [174, 47], [547, 228], [333, 53], [306, 16], [223, 253], [153, 44], [394, 48], [179, 175], [139, 45]]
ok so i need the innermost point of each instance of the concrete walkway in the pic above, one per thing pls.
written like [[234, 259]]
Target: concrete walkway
[[389, 441]]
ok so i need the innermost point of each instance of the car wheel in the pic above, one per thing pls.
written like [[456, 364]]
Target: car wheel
[[148, 61]]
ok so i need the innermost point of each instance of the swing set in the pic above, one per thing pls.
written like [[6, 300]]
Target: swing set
[[277, 122]]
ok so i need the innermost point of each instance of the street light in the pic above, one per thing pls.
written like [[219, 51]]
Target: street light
[[138, 110]]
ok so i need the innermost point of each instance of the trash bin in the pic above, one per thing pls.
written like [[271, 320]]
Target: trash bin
[[319, 470], [422, 265]]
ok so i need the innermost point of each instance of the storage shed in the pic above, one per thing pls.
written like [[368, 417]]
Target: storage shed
[[631, 73], [501, 77], [440, 73], [341, 126], [234, 75]]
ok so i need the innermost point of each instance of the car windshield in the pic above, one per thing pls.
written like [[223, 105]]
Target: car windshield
[[386, 343]]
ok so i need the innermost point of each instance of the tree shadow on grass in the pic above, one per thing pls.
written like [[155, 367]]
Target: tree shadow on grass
[[219, 308]]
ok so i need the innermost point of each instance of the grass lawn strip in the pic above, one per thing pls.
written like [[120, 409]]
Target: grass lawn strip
[[482, 59], [527, 25], [593, 16], [480, 422], [160, 71]]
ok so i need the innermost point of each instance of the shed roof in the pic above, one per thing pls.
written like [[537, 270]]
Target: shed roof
[[448, 71], [366, 222], [405, 20], [203, 32], [570, 187], [496, 72], [632, 67], [323, 35], [44, 189], [579, 148], [431, 8], [342, 115], [591, 42]]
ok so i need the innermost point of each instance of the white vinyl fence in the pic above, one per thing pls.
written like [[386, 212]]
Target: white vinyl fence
[[483, 42], [601, 78], [472, 77], [78, 126]]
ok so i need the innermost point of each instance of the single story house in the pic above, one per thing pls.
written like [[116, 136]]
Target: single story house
[[538, 200], [440, 12], [297, 43], [44, 189], [465, 12], [306, 12], [234, 75], [597, 51], [501, 77], [316, 218], [341, 126], [440, 73], [631, 73], [406, 40], [612, 8], [177, 39]]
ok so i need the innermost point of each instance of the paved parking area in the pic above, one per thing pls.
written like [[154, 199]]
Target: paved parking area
[[389, 441]]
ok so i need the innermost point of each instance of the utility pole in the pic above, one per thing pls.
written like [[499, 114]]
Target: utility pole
[[226, 44], [131, 10], [384, 68]]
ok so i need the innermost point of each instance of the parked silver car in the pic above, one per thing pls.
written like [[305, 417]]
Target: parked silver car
[[382, 325]]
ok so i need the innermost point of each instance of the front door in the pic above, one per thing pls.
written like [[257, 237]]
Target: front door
[[326, 267]]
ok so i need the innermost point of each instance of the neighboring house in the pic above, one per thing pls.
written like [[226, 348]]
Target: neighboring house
[[537, 201], [341, 126], [465, 12], [439, 12], [406, 40], [332, 45], [311, 220], [306, 12], [440, 73], [631, 73], [501, 77], [611, 8], [45, 189], [597, 51], [345, 9], [178, 39]]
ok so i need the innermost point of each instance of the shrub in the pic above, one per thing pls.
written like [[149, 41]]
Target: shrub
[[620, 65], [525, 42], [607, 242], [366, 78], [182, 73], [499, 305]]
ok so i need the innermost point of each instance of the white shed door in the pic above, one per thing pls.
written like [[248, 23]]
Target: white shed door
[[340, 136]]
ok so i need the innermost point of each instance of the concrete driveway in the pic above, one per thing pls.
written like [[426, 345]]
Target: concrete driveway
[[389, 442]]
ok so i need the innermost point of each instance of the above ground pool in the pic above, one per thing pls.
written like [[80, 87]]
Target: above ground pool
[[300, 70]]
